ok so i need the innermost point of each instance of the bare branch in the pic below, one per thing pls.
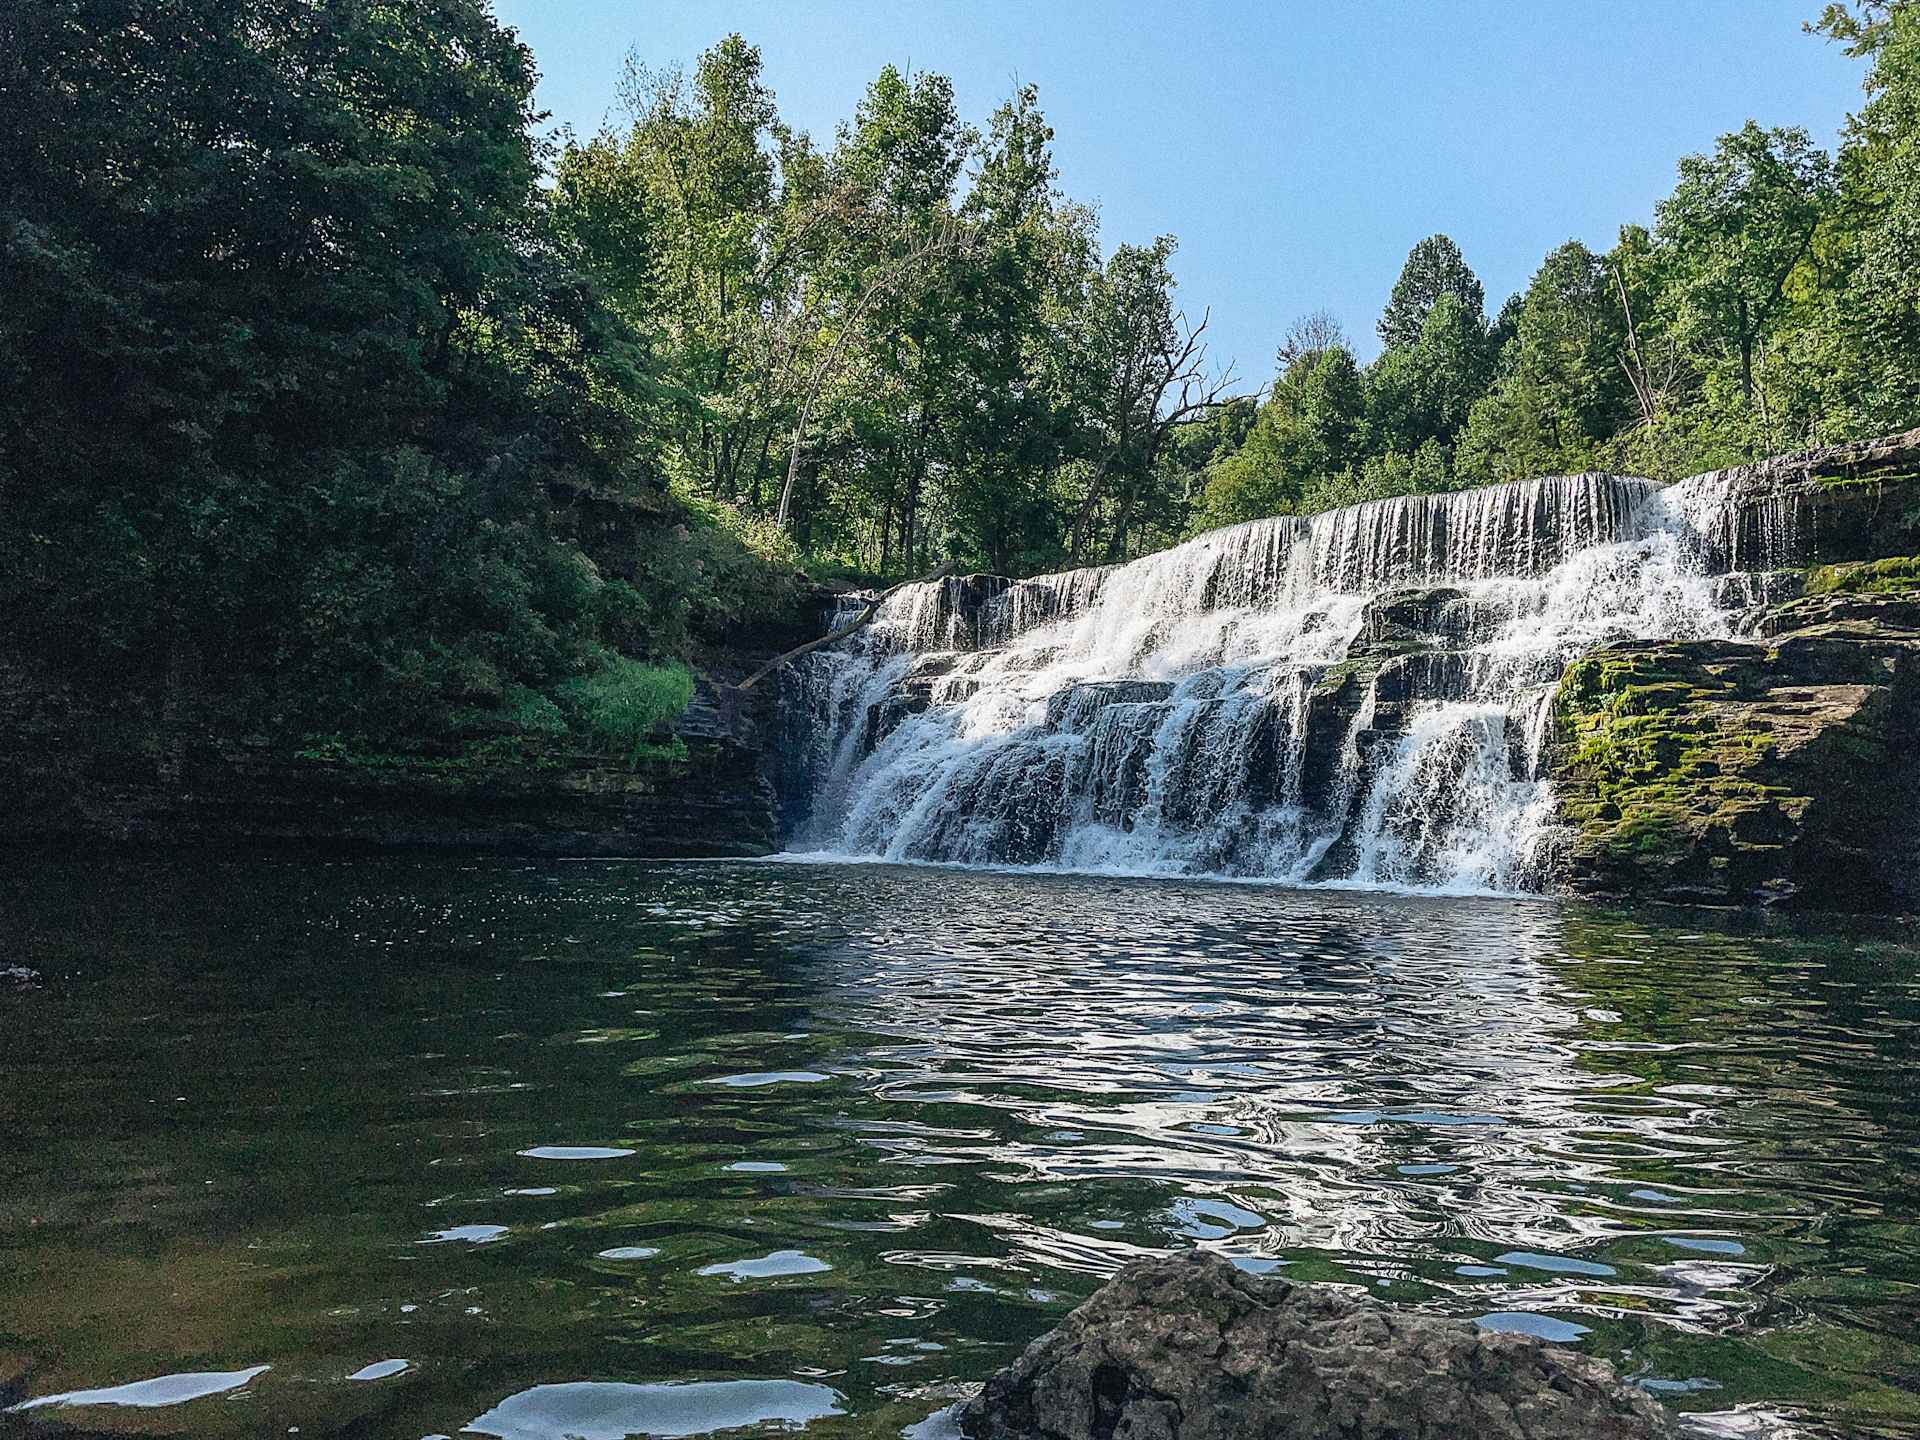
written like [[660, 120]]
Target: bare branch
[[950, 238]]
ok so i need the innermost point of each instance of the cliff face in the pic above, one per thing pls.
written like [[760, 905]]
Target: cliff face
[[1783, 768], [81, 766], [167, 783]]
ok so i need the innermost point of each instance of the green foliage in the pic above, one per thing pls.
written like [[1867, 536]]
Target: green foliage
[[328, 388], [302, 366], [628, 706], [1434, 268], [1775, 303]]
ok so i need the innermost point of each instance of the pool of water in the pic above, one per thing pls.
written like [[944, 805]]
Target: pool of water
[[411, 1148]]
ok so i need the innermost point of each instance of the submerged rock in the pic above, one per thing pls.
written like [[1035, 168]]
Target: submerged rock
[[1193, 1349]]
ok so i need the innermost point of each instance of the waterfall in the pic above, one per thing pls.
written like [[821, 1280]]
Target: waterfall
[[1357, 697]]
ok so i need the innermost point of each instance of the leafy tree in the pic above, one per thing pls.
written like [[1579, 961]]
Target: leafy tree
[[1434, 268], [1872, 326], [1563, 388], [1312, 428], [291, 358], [1424, 391], [1732, 233]]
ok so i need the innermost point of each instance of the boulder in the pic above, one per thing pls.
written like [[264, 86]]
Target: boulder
[[1194, 1349]]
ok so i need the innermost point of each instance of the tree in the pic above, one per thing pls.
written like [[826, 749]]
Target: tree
[[1871, 328], [1147, 374], [1312, 427], [1313, 332], [1732, 232], [1562, 389], [700, 162], [1434, 268], [1424, 391]]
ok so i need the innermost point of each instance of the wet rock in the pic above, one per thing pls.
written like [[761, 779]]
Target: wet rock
[[1075, 707], [1780, 773], [1841, 503], [1193, 1349], [82, 768], [1409, 619]]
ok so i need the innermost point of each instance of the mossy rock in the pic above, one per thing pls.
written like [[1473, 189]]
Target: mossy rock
[[1895, 575], [1735, 772]]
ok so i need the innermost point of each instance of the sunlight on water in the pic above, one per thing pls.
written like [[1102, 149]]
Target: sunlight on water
[[869, 1129]]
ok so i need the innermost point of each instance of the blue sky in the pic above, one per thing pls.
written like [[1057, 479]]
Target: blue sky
[[1297, 150]]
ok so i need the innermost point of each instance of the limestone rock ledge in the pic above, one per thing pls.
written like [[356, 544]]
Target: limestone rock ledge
[[1782, 769], [1193, 1349], [143, 784]]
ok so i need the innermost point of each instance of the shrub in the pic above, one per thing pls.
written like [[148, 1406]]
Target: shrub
[[625, 703]]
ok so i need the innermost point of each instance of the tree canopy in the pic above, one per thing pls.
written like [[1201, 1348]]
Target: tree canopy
[[315, 342]]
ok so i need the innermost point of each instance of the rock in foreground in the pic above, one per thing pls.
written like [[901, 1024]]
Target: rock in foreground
[[1193, 1349]]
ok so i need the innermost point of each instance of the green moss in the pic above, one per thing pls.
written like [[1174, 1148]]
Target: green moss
[[1849, 481], [1652, 767], [1897, 575]]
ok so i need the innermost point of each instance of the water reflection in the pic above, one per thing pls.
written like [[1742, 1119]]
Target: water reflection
[[155, 1394], [590, 1411], [857, 1133]]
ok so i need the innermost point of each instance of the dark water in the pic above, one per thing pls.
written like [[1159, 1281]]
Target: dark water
[[833, 1142]]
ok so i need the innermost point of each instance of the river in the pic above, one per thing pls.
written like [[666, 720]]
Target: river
[[424, 1147]]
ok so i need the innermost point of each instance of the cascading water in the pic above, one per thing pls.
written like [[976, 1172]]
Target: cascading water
[[1360, 696]]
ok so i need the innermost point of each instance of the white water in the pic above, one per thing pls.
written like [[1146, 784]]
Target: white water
[[1186, 713]]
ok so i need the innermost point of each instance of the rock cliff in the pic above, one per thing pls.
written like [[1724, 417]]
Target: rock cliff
[[1782, 767]]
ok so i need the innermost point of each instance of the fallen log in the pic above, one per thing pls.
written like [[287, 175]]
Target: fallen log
[[833, 636]]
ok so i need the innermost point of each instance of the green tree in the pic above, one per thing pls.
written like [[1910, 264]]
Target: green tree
[[1312, 428], [1871, 331], [1732, 233], [1562, 389], [1434, 268], [292, 358], [1424, 391]]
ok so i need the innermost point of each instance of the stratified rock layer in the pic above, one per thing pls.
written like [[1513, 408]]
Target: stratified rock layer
[[1731, 772], [145, 783], [1193, 1349]]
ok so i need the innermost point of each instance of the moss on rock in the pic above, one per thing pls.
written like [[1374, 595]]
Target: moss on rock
[[1897, 575], [1731, 772]]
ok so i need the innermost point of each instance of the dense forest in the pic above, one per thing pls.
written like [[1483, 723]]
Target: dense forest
[[314, 336]]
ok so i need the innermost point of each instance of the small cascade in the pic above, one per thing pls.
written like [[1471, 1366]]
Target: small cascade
[[1361, 696]]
